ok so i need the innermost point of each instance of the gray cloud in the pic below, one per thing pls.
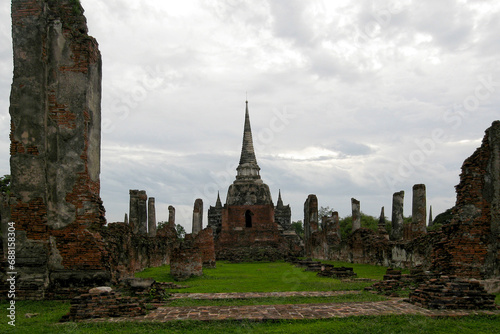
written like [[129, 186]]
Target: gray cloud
[[363, 85]]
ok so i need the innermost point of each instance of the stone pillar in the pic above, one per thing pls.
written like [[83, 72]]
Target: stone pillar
[[171, 216], [397, 215], [356, 214], [419, 211], [310, 216], [151, 217], [125, 219], [138, 216], [55, 146], [431, 221], [336, 223], [197, 216]]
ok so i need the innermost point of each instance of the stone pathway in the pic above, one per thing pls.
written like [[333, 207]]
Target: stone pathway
[[297, 311], [394, 306], [247, 295]]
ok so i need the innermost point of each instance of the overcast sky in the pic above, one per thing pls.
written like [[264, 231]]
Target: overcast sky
[[347, 98]]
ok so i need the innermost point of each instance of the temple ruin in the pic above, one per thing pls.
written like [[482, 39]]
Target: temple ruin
[[246, 227], [64, 244]]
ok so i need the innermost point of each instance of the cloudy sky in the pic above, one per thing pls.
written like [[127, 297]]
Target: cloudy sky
[[347, 98]]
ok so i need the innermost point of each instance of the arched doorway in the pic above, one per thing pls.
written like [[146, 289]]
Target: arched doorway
[[248, 218]]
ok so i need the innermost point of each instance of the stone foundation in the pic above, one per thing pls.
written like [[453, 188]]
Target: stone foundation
[[103, 303], [186, 262], [451, 293]]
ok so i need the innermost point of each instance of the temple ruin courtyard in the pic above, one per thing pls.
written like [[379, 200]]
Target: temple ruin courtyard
[[66, 268], [336, 305]]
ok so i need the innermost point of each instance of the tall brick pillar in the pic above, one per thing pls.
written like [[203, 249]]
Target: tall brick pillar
[[138, 214], [197, 216], [55, 148], [151, 217], [171, 216], [397, 215], [310, 220], [356, 214], [310, 216], [419, 211]]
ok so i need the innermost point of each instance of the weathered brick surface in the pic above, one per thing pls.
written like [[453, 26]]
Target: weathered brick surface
[[186, 260], [238, 241], [104, 305], [130, 252], [451, 293], [204, 241], [55, 148], [470, 244]]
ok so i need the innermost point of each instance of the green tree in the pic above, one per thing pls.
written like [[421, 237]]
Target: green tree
[[441, 219], [181, 232], [323, 211], [5, 184], [298, 227], [367, 221]]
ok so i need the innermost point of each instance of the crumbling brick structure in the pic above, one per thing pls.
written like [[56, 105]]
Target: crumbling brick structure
[[55, 148], [417, 226], [186, 260], [466, 246], [197, 216], [102, 303], [62, 244], [138, 212], [204, 241], [397, 215], [451, 293], [470, 244], [310, 222]]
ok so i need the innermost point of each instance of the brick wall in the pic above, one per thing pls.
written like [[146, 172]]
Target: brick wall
[[470, 242], [55, 148]]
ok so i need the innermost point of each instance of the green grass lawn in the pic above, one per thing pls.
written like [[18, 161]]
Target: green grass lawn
[[51, 311], [264, 277], [253, 277]]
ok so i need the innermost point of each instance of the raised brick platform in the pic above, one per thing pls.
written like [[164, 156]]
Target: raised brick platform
[[295, 311], [394, 306]]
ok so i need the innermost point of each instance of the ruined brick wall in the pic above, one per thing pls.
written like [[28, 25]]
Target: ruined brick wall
[[186, 261], [55, 147], [260, 241], [310, 220], [366, 246], [204, 241], [470, 245], [130, 252], [236, 233]]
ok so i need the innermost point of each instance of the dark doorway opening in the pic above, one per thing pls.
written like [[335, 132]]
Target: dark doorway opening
[[248, 218]]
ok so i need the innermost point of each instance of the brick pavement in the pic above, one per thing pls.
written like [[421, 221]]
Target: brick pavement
[[298, 311], [394, 306], [246, 295]]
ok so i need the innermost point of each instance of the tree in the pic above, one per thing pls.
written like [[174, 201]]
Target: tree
[[298, 227], [181, 232], [5, 184], [441, 219], [367, 221], [323, 211]]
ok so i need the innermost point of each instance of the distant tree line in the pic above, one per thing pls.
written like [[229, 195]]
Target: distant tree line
[[345, 223]]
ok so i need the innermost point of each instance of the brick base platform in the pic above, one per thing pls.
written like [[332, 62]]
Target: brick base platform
[[395, 306]]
